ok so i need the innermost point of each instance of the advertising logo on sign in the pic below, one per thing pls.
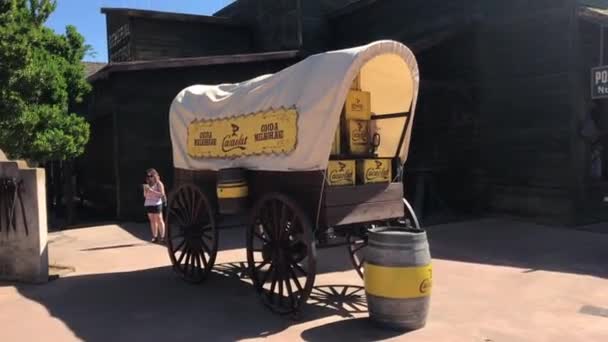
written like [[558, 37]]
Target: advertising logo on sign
[[357, 106], [267, 132], [427, 283], [234, 141], [379, 172], [359, 133], [342, 174]]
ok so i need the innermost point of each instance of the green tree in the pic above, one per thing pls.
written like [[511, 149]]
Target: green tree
[[41, 80]]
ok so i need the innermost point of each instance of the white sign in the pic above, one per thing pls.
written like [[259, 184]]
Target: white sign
[[599, 82]]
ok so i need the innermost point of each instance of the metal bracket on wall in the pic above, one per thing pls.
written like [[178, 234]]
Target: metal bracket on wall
[[10, 198]]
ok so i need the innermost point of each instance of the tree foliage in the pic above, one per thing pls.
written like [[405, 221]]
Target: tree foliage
[[41, 80]]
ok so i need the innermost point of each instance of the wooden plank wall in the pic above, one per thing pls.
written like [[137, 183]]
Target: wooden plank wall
[[142, 101], [409, 20], [590, 205], [95, 169], [316, 28], [160, 39], [445, 137], [527, 94], [119, 50], [275, 23]]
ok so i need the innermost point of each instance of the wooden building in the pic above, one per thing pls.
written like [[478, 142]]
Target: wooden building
[[504, 93]]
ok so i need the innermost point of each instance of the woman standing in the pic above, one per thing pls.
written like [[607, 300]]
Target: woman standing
[[154, 193]]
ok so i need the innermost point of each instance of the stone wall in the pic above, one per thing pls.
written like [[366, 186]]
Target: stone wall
[[23, 242]]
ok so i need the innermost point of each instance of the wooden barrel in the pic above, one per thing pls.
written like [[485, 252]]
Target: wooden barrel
[[232, 190], [398, 277]]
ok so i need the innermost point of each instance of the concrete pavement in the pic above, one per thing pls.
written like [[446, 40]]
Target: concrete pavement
[[494, 280]]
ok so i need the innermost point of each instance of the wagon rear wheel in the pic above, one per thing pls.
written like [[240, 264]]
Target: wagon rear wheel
[[358, 241], [281, 253], [191, 233]]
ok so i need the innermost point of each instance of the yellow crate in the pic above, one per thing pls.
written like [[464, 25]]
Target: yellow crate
[[358, 136], [358, 106], [374, 171], [341, 172]]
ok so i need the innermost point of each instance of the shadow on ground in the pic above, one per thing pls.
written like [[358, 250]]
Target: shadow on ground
[[335, 259], [154, 305], [358, 329], [521, 245]]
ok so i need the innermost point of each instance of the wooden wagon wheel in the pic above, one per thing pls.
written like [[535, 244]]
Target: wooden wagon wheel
[[358, 241], [281, 253], [191, 233]]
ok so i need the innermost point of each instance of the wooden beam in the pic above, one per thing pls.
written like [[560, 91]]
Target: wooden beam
[[116, 151], [192, 62], [138, 13], [352, 7]]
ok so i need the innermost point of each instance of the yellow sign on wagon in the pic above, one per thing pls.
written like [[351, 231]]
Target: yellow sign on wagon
[[272, 131]]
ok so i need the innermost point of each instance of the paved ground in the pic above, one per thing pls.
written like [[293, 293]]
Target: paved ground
[[494, 280]]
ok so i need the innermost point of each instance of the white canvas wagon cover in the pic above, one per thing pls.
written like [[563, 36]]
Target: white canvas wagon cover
[[313, 92]]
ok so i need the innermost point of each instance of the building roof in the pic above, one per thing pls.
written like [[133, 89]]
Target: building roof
[[138, 13], [351, 7], [192, 62], [91, 68]]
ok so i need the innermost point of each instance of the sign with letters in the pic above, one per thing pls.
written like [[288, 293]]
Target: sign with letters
[[267, 132], [599, 82]]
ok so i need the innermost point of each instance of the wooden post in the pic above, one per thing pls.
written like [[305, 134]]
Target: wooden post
[[68, 186], [116, 159], [601, 45]]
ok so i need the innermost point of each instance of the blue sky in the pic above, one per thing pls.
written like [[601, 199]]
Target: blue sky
[[86, 16]]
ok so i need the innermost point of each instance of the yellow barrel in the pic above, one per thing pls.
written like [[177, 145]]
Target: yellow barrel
[[232, 190], [398, 277]]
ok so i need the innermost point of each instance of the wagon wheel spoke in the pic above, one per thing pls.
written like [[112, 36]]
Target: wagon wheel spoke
[[273, 284], [261, 237], [194, 206], [264, 263], [179, 246], [295, 279], [201, 262], [299, 268], [356, 247], [193, 257], [266, 275], [188, 204], [204, 246], [181, 206], [181, 256], [190, 218], [285, 233], [177, 214], [176, 235], [186, 262], [276, 220], [290, 293], [283, 217], [204, 259]]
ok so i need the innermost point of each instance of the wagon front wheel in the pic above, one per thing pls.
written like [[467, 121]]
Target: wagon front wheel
[[281, 253], [191, 233]]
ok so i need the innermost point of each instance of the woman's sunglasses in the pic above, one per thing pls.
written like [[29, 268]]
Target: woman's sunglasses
[[149, 176]]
